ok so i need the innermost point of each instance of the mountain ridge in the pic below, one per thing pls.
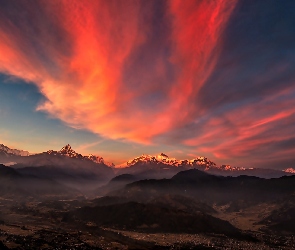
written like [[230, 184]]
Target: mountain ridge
[[148, 166], [7, 150], [199, 162], [68, 151], [64, 151]]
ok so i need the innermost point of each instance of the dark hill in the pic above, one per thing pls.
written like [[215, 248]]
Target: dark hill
[[8, 172], [195, 176], [14, 184], [152, 218], [83, 179], [212, 189], [171, 201]]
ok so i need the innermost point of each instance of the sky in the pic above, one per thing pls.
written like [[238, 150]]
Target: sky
[[120, 78]]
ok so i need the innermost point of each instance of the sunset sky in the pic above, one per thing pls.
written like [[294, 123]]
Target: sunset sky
[[126, 77]]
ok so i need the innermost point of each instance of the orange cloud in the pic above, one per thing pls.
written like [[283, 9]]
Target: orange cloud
[[197, 36], [256, 130], [78, 53]]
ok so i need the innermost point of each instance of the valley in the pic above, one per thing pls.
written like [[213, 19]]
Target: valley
[[34, 225], [80, 204]]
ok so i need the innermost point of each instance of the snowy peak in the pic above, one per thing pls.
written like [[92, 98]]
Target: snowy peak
[[289, 170], [99, 159], [94, 158], [143, 159], [69, 152], [230, 168], [66, 151], [67, 148], [6, 150], [149, 159], [163, 158], [200, 162]]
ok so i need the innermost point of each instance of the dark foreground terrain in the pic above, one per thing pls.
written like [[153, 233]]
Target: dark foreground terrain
[[191, 210], [47, 225]]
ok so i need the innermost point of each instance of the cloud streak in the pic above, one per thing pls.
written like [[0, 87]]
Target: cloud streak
[[82, 78], [156, 71]]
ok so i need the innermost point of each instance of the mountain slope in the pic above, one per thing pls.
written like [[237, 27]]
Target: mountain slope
[[152, 218], [8, 156], [67, 167], [8, 151], [211, 189], [69, 152], [282, 218], [14, 184]]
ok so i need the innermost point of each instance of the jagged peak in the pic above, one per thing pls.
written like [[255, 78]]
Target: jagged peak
[[68, 151], [199, 162], [66, 148], [164, 158], [95, 158], [99, 159]]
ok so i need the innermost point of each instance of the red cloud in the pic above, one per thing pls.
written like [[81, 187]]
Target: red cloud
[[252, 130], [197, 31], [80, 72]]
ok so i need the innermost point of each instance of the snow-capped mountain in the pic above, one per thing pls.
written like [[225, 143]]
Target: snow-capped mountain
[[66, 151], [230, 168], [64, 166], [162, 166], [6, 150], [199, 162], [289, 170], [163, 158], [69, 152], [147, 166], [99, 159]]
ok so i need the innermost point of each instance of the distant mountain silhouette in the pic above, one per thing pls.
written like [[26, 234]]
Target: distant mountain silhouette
[[211, 189]]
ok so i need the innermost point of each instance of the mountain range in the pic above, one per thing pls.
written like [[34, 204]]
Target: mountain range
[[65, 166], [161, 166], [91, 172], [186, 203]]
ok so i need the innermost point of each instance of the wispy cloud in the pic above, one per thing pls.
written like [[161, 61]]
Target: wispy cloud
[[199, 74]]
